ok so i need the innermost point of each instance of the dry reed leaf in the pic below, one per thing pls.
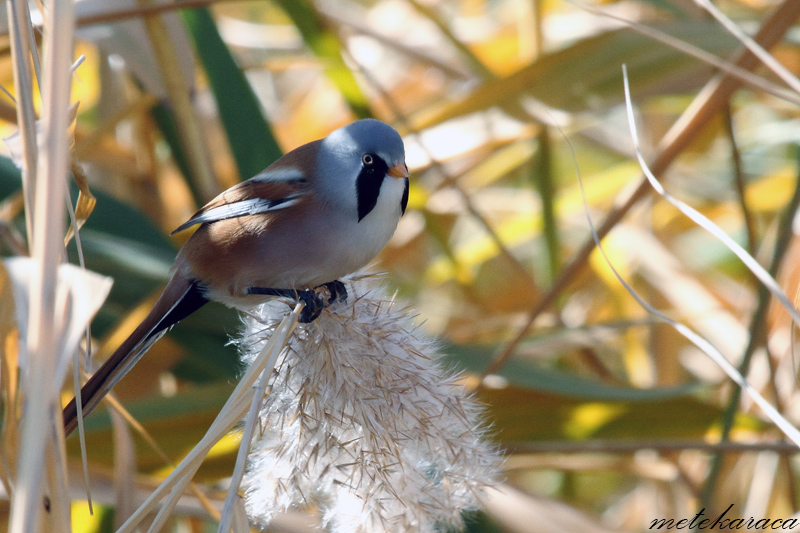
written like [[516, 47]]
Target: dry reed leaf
[[80, 295], [700, 342], [86, 201], [763, 55]]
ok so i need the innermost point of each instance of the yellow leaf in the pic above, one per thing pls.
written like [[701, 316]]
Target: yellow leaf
[[771, 192], [82, 520], [586, 419]]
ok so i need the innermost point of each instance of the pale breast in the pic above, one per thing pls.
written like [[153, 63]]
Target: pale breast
[[365, 239]]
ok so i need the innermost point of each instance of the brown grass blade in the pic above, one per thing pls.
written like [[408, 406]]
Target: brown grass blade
[[711, 100]]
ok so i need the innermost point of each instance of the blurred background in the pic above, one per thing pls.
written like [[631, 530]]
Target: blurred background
[[608, 418]]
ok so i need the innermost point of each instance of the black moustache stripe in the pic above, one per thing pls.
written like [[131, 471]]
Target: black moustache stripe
[[368, 185]]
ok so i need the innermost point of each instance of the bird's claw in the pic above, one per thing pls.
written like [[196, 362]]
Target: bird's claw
[[313, 306], [337, 291]]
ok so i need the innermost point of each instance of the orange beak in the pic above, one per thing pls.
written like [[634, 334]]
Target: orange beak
[[400, 170]]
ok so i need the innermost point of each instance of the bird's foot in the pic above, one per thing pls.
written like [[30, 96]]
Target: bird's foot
[[313, 303], [313, 308], [337, 291]]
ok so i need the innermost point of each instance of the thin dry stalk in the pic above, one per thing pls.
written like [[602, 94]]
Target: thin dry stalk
[[739, 181], [360, 25], [230, 414], [665, 446], [698, 218], [48, 230], [765, 57], [118, 15], [753, 80], [188, 124], [701, 343], [757, 335], [712, 99], [76, 384], [123, 413], [475, 64], [19, 30], [232, 498], [763, 276]]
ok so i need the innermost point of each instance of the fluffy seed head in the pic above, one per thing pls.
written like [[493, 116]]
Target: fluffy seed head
[[363, 424]]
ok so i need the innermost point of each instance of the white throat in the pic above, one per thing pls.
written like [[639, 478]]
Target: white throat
[[369, 236]]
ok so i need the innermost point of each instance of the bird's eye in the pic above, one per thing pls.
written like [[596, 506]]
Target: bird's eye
[[367, 159]]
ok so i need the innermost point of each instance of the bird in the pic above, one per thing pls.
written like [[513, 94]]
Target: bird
[[316, 214]]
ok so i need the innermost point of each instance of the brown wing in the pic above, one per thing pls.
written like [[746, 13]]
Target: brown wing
[[283, 184]]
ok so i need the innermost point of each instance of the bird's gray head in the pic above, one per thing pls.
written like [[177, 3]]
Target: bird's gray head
[[356, 158]]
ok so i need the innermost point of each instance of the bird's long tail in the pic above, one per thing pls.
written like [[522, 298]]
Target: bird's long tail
[[180, 298]]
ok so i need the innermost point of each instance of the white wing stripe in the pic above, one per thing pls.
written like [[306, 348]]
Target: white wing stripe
[[252, 206], [279, 175]]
